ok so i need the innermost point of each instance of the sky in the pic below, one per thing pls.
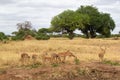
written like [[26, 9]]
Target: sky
[[40, 12]]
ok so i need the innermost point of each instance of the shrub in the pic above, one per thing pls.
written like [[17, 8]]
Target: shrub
[[19, 37], [42, 36], [3, 36]]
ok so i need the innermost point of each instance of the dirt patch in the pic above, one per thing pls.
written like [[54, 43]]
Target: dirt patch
[[83, 71], [29, 37]]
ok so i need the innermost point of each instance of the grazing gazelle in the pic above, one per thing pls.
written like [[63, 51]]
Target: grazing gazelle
[[102, 53], [52, 58], [34, 58], [24, 58], [55, 58], [65, 54], [46, 58]]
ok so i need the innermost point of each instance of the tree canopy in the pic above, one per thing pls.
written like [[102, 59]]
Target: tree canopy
[[68, 21], [87, 19], [100, 22]]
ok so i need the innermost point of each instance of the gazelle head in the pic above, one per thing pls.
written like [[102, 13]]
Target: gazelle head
[[70, 54], [103, 49]]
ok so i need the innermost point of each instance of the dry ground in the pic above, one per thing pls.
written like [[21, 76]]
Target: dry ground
[[85, 49]]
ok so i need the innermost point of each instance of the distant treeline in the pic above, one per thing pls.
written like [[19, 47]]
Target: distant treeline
[[88, 19]]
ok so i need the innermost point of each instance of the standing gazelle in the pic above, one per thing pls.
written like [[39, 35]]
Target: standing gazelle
[[52, 58], [24, 58], [65, 54], [102, 53]]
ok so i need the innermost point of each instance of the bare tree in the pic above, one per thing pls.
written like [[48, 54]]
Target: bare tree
[[24, 26]]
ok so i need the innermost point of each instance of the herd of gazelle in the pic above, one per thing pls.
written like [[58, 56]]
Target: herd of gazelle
[[56, 58], [53, 58]]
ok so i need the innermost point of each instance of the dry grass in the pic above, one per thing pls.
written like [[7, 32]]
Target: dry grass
[[84, 49]]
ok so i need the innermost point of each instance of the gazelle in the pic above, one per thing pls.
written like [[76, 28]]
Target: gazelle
[[24, 58], [46, 58], [65, 54], [55, 58], [52, 58], [34, 58], [102, 53]]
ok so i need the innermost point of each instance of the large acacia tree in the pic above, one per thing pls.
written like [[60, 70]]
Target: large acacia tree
[[87, 19], [100, 23], [68, 21]]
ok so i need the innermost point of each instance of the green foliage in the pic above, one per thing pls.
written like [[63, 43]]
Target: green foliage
[[44, 30], [36, 65], [100, 23], [87, 19], [69, 21], [42, 36], [55, 65], [77, 61], [55, 36], [20, 35], [111, 62], [105, 25], [24, 29], [3, 36]]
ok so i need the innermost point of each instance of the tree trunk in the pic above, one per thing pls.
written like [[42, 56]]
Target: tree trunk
[[86, 33], [71, 35], [92, 32]]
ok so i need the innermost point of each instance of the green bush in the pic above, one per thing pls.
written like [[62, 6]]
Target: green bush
[[20, 35], [17, 38], [42, 36], [3, 36]]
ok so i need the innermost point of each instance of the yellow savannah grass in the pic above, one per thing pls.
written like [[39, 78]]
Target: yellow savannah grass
[[84, 49]]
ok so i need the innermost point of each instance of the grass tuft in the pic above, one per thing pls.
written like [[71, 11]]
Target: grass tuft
[[55, 65], [77, 61], [113, 63]]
